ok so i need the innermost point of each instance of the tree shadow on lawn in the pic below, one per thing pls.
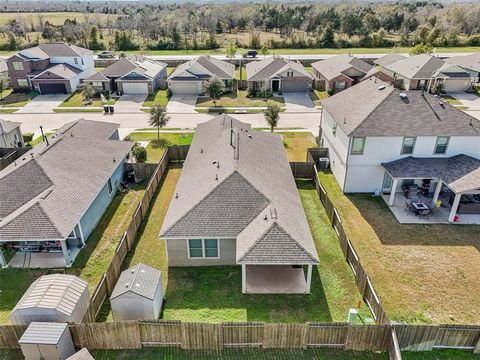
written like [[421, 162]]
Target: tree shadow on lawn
[[390, 232], [213, 294]]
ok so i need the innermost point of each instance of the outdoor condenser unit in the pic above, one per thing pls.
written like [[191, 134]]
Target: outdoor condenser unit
[[324, 163]]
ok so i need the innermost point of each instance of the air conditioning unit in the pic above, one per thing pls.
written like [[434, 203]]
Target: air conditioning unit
[[324, 163]]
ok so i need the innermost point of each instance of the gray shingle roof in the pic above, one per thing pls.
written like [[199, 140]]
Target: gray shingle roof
[[416, 67], [61, 179], [471, 62], [44, 51], [460, 172], [141, 279], [63, 71], [451, 71], [88, 129], [8, 126], [336, 65], [389, 59], [255, 189], [143, 67], [119, 68], [213, 67], [261, 70], [43, 333], [366, 110]]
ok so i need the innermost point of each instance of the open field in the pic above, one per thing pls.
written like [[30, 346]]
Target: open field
[[54, 18], [237, 98], [423, 273]]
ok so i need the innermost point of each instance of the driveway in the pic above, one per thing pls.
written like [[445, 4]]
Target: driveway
[[470, 100], [43, 104], [182, 104], [130, 103], [298, 102]]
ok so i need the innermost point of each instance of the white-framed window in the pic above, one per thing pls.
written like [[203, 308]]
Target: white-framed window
[[358, 145], [339, 85], [22, 82], [75, 60], [97, 83], [289, 73], [18, 66], [441, 145], [110, 187], [203, 248], [408, 145]]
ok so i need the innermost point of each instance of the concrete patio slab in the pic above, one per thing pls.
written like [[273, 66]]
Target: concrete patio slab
[[37, 260], [275, 279]]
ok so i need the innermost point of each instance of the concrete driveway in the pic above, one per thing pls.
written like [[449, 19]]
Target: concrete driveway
[[182, 104], [43, 104], [298, 102], [130, 103], [470, 100]]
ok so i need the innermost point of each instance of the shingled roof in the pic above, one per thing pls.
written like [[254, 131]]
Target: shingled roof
[[44, 51], [50, 188], [388, 59], [245, 191], [471, 62], [141, 279], [373, 108], [336, 65], [260, 70], [416, 67], [202, 68]]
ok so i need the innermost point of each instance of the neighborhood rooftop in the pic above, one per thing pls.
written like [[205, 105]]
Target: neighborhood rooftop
[[471, 61], [336, 65], [222, 192], [416, 67], [8, 126], [44, 51], [141, 66], [208, 67], [373, 108], [268, 68], [48, 190], [388, 59]]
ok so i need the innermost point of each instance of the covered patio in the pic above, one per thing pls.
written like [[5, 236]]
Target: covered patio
[[433, 190]]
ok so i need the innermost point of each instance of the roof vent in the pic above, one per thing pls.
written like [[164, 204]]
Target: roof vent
[[132, 271], [250, 136], [382, 87], [127, 285], [403, 95]]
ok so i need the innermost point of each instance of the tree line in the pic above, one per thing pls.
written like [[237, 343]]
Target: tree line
[[134, 26]]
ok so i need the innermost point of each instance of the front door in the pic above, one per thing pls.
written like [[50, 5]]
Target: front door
[[275, 85]]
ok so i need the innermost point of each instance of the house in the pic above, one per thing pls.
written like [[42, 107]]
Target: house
[[130, 76], [469, 63], [10, 134], [339, 72], [190, 77], [277, 74], [56, 68], [53, 197], [4, 72], [388, 59], [236, 203], [138, 294], [422, 72], [381, 62], [371, 125]]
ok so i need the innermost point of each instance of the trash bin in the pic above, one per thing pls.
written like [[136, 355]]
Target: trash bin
[[111, 109], [105, 109]]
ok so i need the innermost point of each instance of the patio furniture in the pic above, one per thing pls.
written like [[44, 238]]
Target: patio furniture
[[411, 191], [425, 213]]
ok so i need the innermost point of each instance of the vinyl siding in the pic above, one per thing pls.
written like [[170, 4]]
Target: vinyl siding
[[178, 254]]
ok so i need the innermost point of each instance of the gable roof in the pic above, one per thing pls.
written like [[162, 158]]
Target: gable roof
[[88, 129], [60, 71], [144, 68], [203, 67], [245, 201], [416, 67], [71, 170], [373, 108], [336, 65], [44, 333], [8, 126], [451, 71], [260, 70], [44, 51], [471, 62], [388, 59], [141, 279]]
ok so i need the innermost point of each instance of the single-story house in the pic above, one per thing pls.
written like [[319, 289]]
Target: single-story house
[[419, 72], [469, 63], [10, 134], [130, 76], [190, 77], [277, 74], [379, 63], [236, 203], [339, 72], [388, 59], [56, 194]]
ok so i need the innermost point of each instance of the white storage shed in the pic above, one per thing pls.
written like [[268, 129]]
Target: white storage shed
[[138, 294], [53, 298], [81, 355], [47, 341]]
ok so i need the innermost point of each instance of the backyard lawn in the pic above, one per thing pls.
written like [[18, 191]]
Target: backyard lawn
[[237, 73], [297, 143], [237, 98], [159, 97], [423, 273], [317, 96], [11, 99], [76, 100], [156, 148]]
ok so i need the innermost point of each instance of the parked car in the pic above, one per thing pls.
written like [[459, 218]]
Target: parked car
[[106, 55], [250, 53]]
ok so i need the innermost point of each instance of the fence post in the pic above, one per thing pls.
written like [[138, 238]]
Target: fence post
[[476, 350], [394, 350]]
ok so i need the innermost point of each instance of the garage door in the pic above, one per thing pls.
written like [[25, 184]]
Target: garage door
[[53, 89], [184, 87], [456, 85], [135, 88], [294, 86]]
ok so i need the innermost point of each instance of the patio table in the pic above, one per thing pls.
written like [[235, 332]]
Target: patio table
[[420, 206]]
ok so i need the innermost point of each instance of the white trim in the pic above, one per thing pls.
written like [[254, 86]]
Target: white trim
[[203, 248], [244, 279], [309, 279], [74, 234], [82, 237]]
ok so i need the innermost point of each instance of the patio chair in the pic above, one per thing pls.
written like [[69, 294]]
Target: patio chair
[[425, 213], [408, 205]]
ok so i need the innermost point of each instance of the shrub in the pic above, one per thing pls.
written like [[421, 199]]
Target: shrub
[[330, 92], [127, 138], [27, 137], [263, 94], [139, 153]]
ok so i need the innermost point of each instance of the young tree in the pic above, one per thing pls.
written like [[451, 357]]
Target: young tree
[[214, 87], [139, 153], [272, 114], [158, 117], [88, 92], [421, 49], [264, 50], [231, 49]]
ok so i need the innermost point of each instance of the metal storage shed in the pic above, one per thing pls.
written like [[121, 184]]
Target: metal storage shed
[[138, 294], [81, 355], [47, 341], [52, 298]]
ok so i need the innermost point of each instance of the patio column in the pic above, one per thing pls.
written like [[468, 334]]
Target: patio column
[[3, 262], [65, 252], [244, 279], [454, 209], [391, 199], [437, 192], [82, 238], [309, 279]]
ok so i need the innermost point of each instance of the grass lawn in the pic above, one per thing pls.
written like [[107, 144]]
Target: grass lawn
[[76, 100], [159, 97], [7, 111], [156, 148], [237, 98], [317, 96], [444, 354], [451, 100], [237, 73], [423, 273], [297, 143], [39, 139], [12, 99]]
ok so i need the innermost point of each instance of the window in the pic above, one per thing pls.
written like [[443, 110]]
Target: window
[[339, 85], [441, 145], [22, 82], [334, 129], [110, 187], [408, 145], [289, 73], [18, 66], [358, 145], [203, 248], [76, 61], [97, 83]]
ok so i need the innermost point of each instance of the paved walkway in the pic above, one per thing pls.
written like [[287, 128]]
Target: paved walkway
[[182, 104], [43, 104]]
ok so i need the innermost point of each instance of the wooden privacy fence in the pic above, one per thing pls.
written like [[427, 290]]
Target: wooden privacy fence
[[110, 277]]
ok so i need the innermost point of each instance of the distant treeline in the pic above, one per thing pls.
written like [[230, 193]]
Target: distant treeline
[[208, 26]]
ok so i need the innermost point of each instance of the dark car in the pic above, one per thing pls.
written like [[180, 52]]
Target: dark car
[[251, 53], [106, 55]]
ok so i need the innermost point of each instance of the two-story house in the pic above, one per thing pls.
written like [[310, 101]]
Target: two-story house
[[381, 140], [56, 68]]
